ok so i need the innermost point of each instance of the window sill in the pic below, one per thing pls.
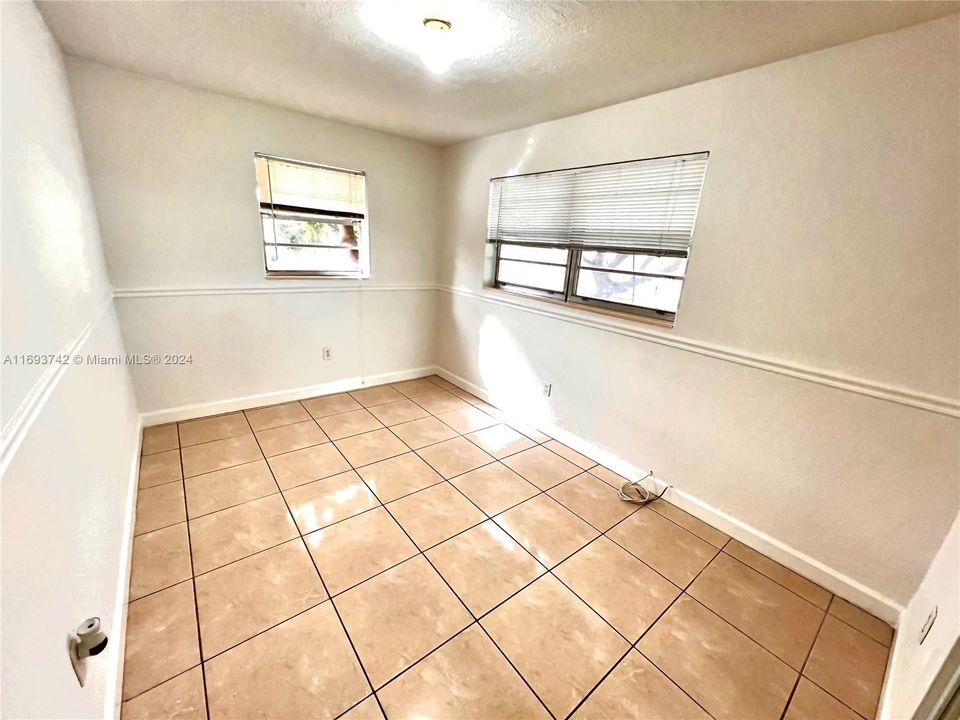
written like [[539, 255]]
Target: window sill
[[315, 276], [574, 309]]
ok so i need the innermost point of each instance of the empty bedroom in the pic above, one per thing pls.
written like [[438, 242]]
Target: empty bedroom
[[476, 359]]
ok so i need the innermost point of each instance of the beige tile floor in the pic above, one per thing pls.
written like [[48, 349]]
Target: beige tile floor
[[403, 551]]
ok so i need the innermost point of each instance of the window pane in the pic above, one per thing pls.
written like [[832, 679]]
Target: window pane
[[310, 232], [658, 265], [545, 277], [538, 254], [312, 258], [636, 290]]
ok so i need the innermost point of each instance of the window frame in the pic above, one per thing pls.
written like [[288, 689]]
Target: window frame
[[575, 250], [363, 241], [572, 275]]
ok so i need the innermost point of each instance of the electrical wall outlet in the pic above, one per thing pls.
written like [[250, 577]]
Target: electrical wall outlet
[[547, 389], [327, 354]]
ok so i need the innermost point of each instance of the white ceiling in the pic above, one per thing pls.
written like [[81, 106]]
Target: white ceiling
[[530, 61]]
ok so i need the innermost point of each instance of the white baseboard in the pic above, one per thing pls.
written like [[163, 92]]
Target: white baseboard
[[812, 569], [188, 412], [889, 672], [118, 633]]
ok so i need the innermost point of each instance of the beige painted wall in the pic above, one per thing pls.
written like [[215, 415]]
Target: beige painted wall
[[827, 241], [173, 179]]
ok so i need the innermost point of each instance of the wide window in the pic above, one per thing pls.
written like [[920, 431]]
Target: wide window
[[614, 236], [314, 218]]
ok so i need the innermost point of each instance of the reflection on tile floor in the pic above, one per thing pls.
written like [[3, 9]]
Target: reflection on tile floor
[[406, 551]]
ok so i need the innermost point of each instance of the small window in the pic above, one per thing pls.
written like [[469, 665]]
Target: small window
[[314, 219], [614, 236]]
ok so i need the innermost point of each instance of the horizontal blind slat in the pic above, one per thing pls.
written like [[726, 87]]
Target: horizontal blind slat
[[644, 203], [288, 183]]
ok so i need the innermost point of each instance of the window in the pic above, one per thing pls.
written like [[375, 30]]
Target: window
[[314, 218], [615, 236]]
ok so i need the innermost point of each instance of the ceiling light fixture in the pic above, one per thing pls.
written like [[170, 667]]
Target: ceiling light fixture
[[437, 51], [436, 24], [426, 30]]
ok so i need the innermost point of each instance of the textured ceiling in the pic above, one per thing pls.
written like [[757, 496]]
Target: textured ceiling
[[525, 61]]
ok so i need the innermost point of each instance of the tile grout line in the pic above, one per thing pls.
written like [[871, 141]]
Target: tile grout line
[[457, 596], [265, 630], [631, 645], [822, 619], [888, 648], [774, 580], [358, 704], [323, 584], [267, 460], [161, 484], [782, 587], [172, 677], [634, 645], [541, 492], [547, 570], [683, 592], [419, 552], [231, 507], [382, 427], [603, 534], [193, 581], [475, 621], [810, 652], [342, 520], [827, 692], [311, 532], [422, 552], [803, 666], [239, 464], [502, 421]]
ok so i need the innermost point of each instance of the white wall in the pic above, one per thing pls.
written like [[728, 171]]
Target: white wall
[[914, 667], [825, 255], [69, 436], [173, 178], [49, 226]]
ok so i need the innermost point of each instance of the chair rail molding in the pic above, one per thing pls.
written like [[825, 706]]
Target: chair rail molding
[[641, 331], [332, 286], [17, 427]]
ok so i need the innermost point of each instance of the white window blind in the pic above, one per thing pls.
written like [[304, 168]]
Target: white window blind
[[636, 205], [290, 186]]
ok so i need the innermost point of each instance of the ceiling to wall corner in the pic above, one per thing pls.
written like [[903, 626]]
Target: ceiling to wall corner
[[511, 63]]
